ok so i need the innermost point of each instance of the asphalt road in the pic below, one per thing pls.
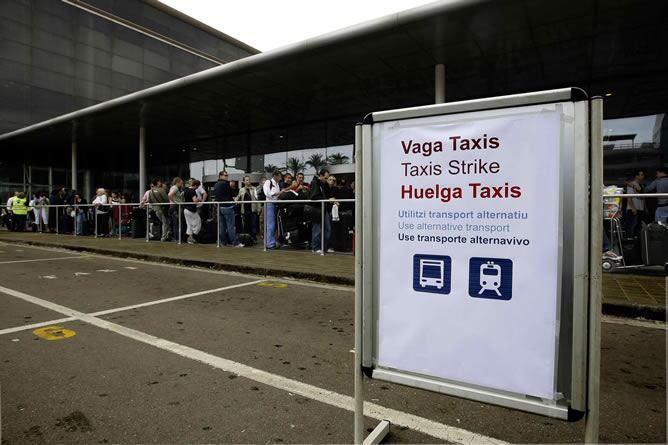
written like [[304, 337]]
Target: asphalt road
[[244, 359]]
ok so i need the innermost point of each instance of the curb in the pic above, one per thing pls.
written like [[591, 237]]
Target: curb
[[635, 311], [616, 309], [263, 271]]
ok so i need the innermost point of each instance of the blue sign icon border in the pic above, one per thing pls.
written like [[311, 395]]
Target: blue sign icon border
[[506, 287], [447, 274]]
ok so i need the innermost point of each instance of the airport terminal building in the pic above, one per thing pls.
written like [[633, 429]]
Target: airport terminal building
[[108, 93]]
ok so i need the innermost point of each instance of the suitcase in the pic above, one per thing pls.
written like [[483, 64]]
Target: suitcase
[[632, 251], [655, 244], [208, 232], [246, 239]]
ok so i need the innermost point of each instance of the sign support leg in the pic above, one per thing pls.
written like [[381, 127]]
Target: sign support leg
[[595, 248]]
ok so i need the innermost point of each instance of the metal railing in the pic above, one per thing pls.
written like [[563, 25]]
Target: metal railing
[[85, 210]]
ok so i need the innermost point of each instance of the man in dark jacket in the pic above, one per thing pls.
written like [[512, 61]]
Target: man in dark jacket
[[222, 192], [320, 191]]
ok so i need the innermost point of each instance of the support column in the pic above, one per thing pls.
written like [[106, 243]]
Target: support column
[[142, 161], [439, 84], [87, 188], [50, 180], [74, 183]]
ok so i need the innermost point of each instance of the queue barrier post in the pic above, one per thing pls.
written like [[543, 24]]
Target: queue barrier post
[[76, 214], [95, 213], [217, 225], [322, 227], [120, 212], [178, 211], [57, 218], [147, 209], [264, 210]]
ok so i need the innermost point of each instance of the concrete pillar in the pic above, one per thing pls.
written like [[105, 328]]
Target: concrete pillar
[[87, 189], [439, 84], [142, 161], [50, 180], [74, 184]]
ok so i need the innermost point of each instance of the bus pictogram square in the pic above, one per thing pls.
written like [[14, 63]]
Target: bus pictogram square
[[432, 273]]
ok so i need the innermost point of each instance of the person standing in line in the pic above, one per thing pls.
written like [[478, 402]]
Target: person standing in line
[[101, 203], [272, 189], [223, 193], [157, 197], [9, 218], [249, 211], [660, 185], [20, 212], [320, 191], [203, 196], [80, 214], [635, 207], [193, 220], [175, 196]]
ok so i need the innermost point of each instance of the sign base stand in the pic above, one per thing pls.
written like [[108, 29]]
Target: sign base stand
[[378, 434]]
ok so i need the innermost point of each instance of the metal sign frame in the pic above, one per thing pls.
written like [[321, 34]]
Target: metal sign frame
[[577, 239]]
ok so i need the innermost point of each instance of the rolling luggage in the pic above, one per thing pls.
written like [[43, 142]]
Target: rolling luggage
[[208, 232], [654, 238], [246, 239]]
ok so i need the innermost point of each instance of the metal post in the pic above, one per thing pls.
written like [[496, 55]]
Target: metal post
[[265, 225], [147, 238], [142, 160], [439, 84], [120, 212], [218, 225], [322, 227], [74, 185], [95, 217], [595, 248], [57, 218], [359, 378], [50, 179], [76, 215], [178, 207]]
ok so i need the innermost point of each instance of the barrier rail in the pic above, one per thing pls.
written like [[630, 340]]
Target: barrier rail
[[85, 210]]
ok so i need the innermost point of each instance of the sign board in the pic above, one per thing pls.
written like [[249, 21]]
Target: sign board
[[471, 283]]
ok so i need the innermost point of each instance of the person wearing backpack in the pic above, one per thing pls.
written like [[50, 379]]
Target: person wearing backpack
[[158, 196]]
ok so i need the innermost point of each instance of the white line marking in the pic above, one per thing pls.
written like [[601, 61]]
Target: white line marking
[[105, 270], [432, 428], [35, 325], [130, 268], [167, 300], [44, 259], [49, 277], [651, 324], [76, 274], [125, 308]]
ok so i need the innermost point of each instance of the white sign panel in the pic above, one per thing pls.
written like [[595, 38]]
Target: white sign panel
[[468, 247]]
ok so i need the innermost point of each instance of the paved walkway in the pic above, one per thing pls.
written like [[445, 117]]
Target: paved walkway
[[630, 293]]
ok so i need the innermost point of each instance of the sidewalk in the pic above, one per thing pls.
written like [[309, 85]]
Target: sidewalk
[[625, 294]]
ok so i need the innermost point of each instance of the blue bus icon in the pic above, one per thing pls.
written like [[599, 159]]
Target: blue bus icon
[[432, 273]]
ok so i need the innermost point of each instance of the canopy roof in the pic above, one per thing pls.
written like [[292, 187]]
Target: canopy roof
[[323, 85]]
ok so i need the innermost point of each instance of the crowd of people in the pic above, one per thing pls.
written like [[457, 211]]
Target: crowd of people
[[178, 211]]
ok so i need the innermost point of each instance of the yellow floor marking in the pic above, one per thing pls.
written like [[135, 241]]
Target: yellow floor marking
[[273, 284], [54, 333]]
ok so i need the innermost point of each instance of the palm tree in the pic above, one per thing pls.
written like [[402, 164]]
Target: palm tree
[[337, 159], [269, 168], [295, 165], [316, 161]]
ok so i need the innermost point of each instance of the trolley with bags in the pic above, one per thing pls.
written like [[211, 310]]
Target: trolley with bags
[[649, 249]]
